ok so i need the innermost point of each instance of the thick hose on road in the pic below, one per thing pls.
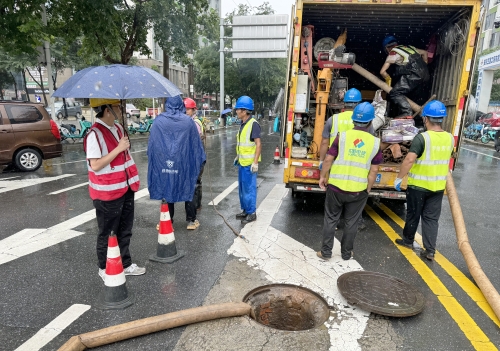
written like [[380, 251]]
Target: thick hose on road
[[381, 84], [153, 324], [464, 246]]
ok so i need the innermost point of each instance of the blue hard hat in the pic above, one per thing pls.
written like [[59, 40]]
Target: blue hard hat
[[363, 113], [352, 95], [434, 109], [244, 102], [390, 39]]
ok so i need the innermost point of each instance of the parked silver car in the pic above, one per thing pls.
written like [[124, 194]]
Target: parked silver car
[[73, 109]]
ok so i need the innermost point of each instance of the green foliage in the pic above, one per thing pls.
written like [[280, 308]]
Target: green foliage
[[141, 104], [6, 80], [207, 66]]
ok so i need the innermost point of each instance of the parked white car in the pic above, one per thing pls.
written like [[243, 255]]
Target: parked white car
[[131, 110]]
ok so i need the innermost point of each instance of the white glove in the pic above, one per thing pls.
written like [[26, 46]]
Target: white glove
[[254, 168], [397, 184]]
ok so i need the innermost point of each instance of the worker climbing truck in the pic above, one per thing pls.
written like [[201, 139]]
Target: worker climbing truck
[[336, 45]]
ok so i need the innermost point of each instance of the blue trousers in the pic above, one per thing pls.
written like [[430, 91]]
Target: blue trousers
[[248, 189]]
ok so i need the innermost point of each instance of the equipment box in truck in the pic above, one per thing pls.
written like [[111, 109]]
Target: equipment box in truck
[[318, 77]]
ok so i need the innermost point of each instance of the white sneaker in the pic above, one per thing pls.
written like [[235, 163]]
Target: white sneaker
[[133, 269], [102, 273]]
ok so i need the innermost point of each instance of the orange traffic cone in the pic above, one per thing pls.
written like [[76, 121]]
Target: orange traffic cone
[[276, 156], [115, 294], [166, 251]]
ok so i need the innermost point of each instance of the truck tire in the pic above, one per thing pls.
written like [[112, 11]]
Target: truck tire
[[28, 160]]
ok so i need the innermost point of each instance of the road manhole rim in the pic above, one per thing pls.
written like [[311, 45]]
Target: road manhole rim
[[318, 299]]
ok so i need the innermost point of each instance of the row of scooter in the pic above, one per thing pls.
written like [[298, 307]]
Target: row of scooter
[[74, 132], [483, 132]]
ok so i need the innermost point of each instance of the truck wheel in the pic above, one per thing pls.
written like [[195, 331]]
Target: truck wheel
[[28, 160]]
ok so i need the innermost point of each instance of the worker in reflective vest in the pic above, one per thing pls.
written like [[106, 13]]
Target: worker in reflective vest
[[190, 105], [113, 181], [339, 122], [427, 164], [349, 171], [248, 149], [411, 72]]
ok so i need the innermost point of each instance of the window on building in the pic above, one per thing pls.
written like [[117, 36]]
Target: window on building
[[492, 40], [489, 21]]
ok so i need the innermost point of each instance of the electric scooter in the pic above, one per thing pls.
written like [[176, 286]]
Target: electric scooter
[[70, 131]]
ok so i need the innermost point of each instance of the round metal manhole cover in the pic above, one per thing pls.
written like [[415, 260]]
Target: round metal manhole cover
[[380, 293], [287, 307]]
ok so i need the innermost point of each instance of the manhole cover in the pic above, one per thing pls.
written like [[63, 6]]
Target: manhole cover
[[287, 307], [381, 294]]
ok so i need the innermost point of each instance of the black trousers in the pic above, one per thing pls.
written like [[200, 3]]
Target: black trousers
[[425, 205], [117, 216], [353, 205], [198, 190], [189, 206], [404, 86]]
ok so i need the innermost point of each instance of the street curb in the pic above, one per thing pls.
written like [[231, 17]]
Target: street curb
[[490, 145]]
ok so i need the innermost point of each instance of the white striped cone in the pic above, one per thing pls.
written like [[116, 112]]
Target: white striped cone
[[115, 294], [166, 251], [276, 156]]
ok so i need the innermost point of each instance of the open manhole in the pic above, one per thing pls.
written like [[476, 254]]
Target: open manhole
[[287, 307]]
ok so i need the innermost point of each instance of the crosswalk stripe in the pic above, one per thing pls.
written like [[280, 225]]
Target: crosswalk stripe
[[54, 328]]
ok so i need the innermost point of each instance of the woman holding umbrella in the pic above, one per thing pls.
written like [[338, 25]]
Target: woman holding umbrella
[[113, 181], [224, 114]]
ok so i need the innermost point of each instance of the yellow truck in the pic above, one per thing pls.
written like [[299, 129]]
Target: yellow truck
[[318, 74]]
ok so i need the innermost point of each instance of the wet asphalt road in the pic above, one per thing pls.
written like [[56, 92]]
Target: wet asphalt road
[[39, 286]]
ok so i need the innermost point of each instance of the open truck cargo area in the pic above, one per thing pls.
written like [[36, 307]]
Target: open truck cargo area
[[448, 31]]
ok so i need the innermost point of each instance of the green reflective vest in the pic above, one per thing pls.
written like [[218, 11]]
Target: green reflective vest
[[430, 169], [350, 169], [245, 148], [341, 122], [200, 123]]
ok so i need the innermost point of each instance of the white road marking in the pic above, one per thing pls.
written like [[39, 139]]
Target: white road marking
[[28, 241], [477, 152], [8, 185], [286, 260], [54, 328], [66, 189], [225, 193]]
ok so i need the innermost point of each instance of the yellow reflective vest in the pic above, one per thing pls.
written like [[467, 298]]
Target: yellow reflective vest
[[349, 171], [341, 122], [430, 169], [200, 123], [405, 52], [245, 148]]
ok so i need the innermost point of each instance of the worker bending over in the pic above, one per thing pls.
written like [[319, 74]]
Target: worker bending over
[[411, 71]]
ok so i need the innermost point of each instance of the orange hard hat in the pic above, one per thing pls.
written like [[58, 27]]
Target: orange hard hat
[[189, 103]]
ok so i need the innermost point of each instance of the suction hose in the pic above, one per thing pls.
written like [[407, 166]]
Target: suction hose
[[465, 248], [381, 84], [153, 324]]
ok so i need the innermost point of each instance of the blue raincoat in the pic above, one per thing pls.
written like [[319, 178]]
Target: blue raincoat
[[175, 154]]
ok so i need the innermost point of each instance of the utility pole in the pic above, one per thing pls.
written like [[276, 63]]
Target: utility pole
[[221, 102], [48, 58]]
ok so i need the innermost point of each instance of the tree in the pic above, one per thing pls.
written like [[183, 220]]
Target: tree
[[6, 80], [115, 29], [207, 64]]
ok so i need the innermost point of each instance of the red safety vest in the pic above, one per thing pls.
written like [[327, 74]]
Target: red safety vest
[[113, 181]]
